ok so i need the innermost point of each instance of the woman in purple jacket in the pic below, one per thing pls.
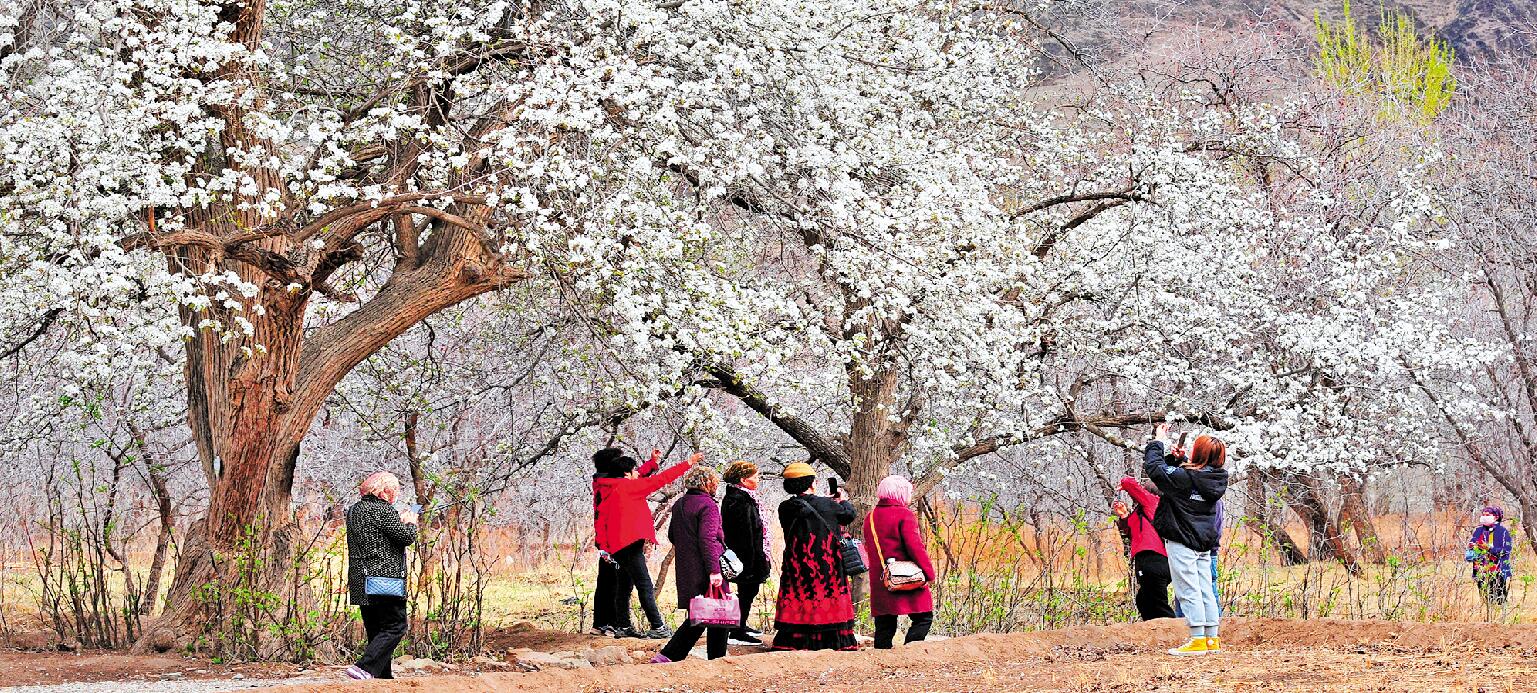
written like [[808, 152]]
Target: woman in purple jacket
[[697, 544], [1489, 552]]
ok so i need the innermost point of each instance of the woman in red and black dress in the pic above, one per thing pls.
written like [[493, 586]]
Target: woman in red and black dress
[[815, 610]]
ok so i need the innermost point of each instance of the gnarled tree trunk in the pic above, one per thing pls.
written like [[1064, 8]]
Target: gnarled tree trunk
[[1266, 523], [1355, 516]]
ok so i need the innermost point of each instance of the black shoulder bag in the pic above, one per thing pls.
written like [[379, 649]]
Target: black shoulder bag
[[851, 557]]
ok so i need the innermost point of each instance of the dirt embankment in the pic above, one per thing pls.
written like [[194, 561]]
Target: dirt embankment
[[1260, 655]]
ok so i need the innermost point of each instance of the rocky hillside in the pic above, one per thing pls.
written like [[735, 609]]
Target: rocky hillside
[[1475, 28]]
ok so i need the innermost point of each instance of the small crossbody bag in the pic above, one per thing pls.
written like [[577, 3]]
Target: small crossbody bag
[[384, 587], [730, 565], [899, 575]]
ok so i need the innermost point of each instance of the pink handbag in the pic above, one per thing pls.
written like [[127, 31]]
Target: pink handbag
[[715, 609]]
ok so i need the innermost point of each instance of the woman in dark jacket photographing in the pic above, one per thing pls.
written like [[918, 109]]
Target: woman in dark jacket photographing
[[815, 609], [1187, 520], [747, 535]]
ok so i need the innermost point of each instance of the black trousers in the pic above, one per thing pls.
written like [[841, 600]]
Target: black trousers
[[633, 574], [384, 620], [603, 614], [687, 636], [1152, 585], [746, 593], [886, 629], [1495, 588]]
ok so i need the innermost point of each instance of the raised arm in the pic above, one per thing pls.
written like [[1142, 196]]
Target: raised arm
[[648, 485], [652, 463], [1166, 478], [1137, 493], [845, 512]]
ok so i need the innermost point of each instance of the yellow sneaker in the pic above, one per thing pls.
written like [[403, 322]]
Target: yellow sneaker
[[1196, 646], [1213, 645]]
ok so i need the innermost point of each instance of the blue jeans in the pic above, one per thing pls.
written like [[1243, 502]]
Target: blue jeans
[[1215, 592], [1194, 590]]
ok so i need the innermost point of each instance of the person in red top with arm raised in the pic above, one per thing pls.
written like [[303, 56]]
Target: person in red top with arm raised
[[605, 620], [623, 528], [1148, 555]]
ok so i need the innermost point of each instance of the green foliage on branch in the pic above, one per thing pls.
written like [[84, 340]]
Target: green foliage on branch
[[1411, 75]]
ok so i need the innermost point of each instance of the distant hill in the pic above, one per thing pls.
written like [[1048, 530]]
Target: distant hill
[[1475, 28]]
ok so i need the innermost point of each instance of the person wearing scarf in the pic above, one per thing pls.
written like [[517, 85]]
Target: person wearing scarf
[[747, 535]]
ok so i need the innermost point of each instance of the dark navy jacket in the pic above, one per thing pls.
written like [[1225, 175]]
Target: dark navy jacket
[[1188, 512]]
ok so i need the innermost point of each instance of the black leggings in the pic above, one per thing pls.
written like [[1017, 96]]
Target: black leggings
[[1152, 585], [886, 629], [603, 614], [633, 574], [384, 620]]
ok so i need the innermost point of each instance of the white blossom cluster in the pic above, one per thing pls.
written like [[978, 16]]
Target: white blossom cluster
[[809, 193]]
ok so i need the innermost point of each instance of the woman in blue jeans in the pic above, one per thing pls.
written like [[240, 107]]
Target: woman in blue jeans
[[1187, 521]]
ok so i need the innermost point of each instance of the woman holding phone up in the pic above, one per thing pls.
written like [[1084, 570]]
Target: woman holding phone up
[[1187, 521], [815, 609]]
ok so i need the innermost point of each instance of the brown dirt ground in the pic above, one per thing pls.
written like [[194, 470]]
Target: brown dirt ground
[[20, 668], [1261, 655]]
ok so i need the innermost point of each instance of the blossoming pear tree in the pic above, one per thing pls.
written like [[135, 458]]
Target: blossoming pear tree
[[279, 188]]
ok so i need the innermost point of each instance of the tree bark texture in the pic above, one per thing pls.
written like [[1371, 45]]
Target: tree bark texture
[[1266, 523], [1355, 516], [252, 399]]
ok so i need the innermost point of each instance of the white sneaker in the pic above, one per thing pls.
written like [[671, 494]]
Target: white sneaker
[[356, 673]]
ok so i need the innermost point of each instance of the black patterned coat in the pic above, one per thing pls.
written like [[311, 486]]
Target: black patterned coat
[[376, 544]]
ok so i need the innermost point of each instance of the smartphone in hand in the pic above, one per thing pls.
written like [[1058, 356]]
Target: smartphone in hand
[[832, 486]]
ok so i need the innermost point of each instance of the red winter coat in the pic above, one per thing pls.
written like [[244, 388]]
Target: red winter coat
[[646, 469], [1140, 522], [624, 516], [896, 527]]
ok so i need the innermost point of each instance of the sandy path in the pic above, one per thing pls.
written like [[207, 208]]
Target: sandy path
[[1262, 655]]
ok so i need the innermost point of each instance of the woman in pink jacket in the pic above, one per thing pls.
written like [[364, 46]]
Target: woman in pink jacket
[[1148, 555], [895, 527]]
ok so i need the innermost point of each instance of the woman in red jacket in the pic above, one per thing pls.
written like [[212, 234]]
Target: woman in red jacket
[[606, 614], [624, 526], [891, 533], [1148, 555]]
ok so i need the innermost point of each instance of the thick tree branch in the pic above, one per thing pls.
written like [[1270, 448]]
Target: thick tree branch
[[820, 445], [1098, 424]]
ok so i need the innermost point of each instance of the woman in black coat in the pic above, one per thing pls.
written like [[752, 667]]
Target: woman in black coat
[[747, 536], [377, 537]]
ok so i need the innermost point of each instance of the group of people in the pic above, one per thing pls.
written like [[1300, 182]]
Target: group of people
[[1173, 529], [814, 609]]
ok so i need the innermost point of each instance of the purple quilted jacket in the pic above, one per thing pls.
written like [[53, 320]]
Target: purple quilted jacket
[[697, 543]]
